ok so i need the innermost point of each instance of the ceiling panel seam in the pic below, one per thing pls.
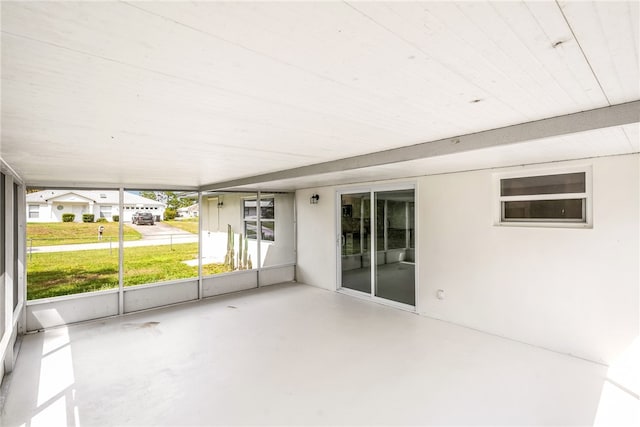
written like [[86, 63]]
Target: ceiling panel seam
[[304, 70], [119, 62], [626, 135], [419, 49], [194, 82], [522, 68], [126, 64], [575, 37], [247, 48], [554, 42]]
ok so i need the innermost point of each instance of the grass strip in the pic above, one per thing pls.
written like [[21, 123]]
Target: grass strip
[[190, 225], [69, 233], [66, 273]]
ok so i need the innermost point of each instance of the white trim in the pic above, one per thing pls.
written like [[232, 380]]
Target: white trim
[[416, 245], [372, 189], [273, 267], [230, 273], [160, 284], [200, 228], [498, 204], [13, 276], [121, 253], [48, 300], [554, 196], [368, 297], [9, 171], [258, 219]]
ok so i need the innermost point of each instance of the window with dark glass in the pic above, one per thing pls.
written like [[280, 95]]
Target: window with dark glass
[[556, 198]]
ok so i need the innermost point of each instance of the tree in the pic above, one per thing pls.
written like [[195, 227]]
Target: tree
[[170, 198], [169, 214], [153, 195], [174, 201]]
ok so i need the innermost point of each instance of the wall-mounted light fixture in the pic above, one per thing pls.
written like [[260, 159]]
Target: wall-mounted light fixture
[[314, 199]]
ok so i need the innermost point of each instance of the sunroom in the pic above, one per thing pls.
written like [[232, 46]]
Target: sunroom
[[460, 178]]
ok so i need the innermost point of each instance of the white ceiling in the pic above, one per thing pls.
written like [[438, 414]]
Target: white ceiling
[[183, 95]]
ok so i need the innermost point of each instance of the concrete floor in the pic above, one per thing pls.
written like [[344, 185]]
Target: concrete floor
[[292, 355]]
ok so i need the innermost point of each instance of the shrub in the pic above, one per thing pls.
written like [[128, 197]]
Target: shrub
[[101, 220], [67, 217], [169, 214], [88, 217], [115, 218]]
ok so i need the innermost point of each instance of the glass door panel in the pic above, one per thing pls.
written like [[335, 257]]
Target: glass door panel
[[355, 228], [395, 253]]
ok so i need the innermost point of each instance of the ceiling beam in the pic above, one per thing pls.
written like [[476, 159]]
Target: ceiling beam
[[600, 118]]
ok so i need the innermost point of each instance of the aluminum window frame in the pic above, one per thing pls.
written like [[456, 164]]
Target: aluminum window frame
[[586, 221]]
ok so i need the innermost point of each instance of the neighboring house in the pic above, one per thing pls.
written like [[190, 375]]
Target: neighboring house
[[50, 205], [189, 211], [192, 211]]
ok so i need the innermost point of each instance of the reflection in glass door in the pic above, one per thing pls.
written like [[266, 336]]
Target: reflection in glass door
[[355, 241], [395, 251], [391, 275]]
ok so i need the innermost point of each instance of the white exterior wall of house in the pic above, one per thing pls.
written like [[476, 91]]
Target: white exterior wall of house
[[43, 212], [103, 204], [214, 225], [572, 290], [54, 210], [70, 203], [215, 221]]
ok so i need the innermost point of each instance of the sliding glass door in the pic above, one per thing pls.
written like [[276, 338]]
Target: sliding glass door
[[356, 241], [379, 260], [395, 246]]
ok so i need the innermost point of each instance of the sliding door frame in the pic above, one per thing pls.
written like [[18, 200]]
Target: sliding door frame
[[372, 190]]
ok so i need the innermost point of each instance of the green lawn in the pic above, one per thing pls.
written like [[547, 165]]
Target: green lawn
[[190, 225], [68, 233], [65, 273]]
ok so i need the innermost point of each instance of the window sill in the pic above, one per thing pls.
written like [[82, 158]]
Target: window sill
[[578, 225]]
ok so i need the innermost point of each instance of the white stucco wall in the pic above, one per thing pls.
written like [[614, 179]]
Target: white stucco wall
[[215, 220], [281, 251], [317, 238], [571, 290]]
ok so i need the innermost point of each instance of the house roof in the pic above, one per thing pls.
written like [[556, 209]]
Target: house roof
[[194, 94], [109, 197]]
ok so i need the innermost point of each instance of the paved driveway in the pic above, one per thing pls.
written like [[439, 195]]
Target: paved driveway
[[158, 231]]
